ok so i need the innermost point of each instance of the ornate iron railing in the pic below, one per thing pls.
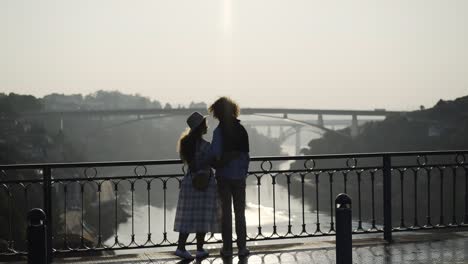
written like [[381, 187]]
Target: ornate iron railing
[[126, 205]]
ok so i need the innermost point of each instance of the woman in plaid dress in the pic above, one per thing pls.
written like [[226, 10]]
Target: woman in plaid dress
[[197, 211]]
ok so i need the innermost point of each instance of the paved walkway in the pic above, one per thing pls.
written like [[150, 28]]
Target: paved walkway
[[411, 247]]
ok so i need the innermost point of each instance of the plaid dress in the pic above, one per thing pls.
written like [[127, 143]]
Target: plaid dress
[[198, 211]]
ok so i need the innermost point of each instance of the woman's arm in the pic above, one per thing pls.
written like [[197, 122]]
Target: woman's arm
[[213, 154]]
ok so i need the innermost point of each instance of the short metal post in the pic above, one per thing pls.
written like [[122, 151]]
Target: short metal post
[[387, 197], [344, 241], [37, 237]]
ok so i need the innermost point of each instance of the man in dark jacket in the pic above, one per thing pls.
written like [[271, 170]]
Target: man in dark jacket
[[231, 145]]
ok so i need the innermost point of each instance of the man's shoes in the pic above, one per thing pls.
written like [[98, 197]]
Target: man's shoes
[[243, 252], [184, 254], [225, 253], [202, 254]]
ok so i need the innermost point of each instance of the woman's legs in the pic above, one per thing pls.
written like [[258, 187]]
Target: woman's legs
[[200, 241], [182, 241], [181, 252]]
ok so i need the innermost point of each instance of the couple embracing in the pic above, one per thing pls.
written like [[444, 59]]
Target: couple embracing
[[200, 200]]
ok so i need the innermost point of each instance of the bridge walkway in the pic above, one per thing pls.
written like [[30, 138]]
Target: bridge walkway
[[417, 247]]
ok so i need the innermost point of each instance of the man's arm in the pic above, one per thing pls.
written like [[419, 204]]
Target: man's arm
[[216, 149], [216, 145]]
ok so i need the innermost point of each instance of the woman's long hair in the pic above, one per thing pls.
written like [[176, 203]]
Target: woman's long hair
[[186, 146]]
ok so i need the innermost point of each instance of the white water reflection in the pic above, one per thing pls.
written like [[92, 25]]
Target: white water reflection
[[280, 215], [269, 215], [286, 210]]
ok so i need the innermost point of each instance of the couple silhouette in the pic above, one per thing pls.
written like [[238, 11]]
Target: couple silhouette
[[210, 209]]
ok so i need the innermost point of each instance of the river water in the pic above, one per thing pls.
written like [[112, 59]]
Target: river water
[[267, 214]]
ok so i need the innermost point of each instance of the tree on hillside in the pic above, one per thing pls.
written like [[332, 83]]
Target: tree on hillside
[[98, 100], [15, 103]]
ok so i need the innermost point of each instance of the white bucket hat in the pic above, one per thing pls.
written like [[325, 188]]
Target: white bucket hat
[[195, 119]]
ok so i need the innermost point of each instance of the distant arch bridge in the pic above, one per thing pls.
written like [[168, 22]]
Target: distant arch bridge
[[256, 117]]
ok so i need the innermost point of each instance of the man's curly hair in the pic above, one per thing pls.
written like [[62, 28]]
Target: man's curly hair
[[224, 108]]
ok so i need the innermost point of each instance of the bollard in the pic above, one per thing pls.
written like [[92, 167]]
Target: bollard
[[344, 251], [37, 238]]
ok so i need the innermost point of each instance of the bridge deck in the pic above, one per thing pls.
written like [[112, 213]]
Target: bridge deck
[[187, 111], [420, 247]]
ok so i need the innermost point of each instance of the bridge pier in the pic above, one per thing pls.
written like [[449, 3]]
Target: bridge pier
[[61, 122], [298, 140], [320, 120], [280, 134], [354, 127]]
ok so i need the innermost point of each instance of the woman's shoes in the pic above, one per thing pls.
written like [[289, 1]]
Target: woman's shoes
[[187, 256], [202, 254], [184, 254]]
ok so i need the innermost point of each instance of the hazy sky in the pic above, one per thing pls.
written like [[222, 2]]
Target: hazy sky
[[394, 54]]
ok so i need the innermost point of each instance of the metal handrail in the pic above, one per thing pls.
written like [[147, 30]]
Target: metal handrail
[[258, 158], [372, 186]]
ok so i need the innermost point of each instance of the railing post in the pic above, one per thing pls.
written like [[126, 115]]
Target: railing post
[[37, 237], [387, 197], [344, 241], [47, 184]]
